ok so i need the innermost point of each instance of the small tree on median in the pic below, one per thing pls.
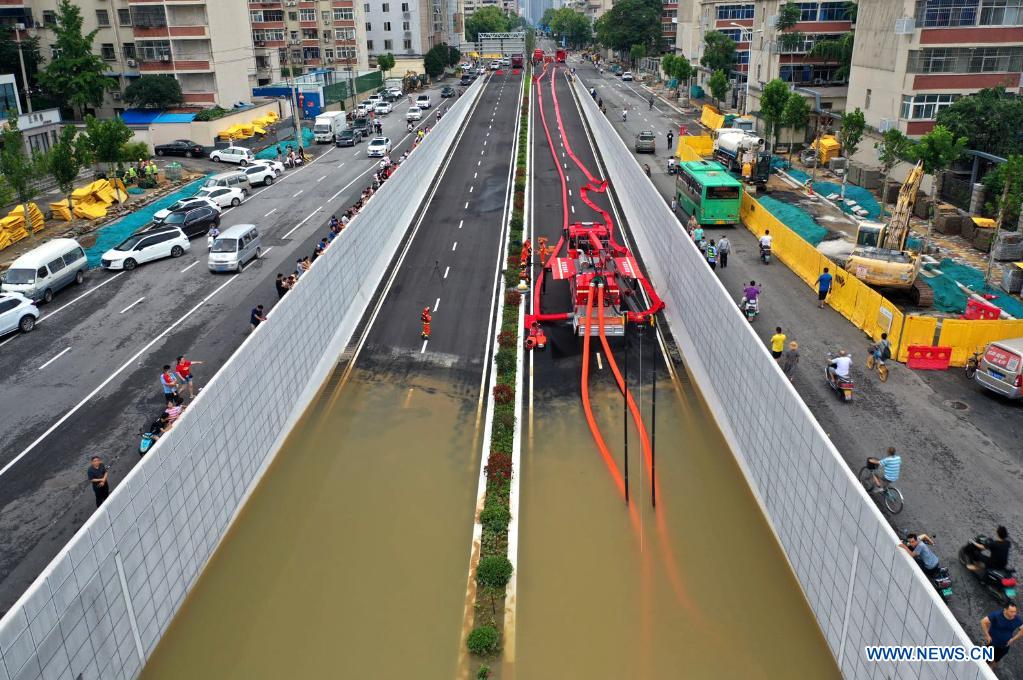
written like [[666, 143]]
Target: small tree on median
[[105, 139], [849, 136], [67, 158], [893, 148], [718, 85], [385, 62], [795, 116], [493, 573], [772, 107], [20, 170]]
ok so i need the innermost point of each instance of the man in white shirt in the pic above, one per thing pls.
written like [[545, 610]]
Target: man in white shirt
[[840, 365], [765, 240]]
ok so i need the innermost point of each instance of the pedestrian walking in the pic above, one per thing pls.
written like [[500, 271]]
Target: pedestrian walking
[[692, 225], [99, 480], [724, 247], [169, 382], [711, 253], [777, 343], [280, 154], [674, 204], [256, 317], [1002, 628], [823, 287], [790, 360], [426, 319], [183, 368], [671, 137]]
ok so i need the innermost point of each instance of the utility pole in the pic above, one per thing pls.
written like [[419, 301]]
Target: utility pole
[[18, 28], [295, 110]]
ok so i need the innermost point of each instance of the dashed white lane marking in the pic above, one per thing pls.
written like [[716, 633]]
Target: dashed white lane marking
[[300, 223], [295, 195], [481, 153], [59, 355], [471, 188], [460, 223], [132, 305], [484, 142], [466, 206], [569, 192], [423, 350], [321, 179], [446, 270], [478, 163], [189, 267], [475, 175], [436, 305], [270, 213], [600, 363], [340, 164], [455, 245], [573, 209]]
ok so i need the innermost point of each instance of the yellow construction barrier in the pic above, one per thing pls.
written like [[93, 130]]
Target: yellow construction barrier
[[12, 227], [60, 211], [918, 330], [711, 118], [966, 336], [694, 148], [92, 201]]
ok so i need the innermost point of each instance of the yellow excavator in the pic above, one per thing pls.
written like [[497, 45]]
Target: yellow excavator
[[880, 258]]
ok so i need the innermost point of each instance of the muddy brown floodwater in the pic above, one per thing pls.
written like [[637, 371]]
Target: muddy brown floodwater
[[350, 559], [698, 589]]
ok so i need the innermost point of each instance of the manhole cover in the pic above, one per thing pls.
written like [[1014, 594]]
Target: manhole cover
[[957, 405]]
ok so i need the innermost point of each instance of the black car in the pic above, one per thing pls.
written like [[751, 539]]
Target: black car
[[466, 80], [361, 125], [180, 147], [193, 221], [447, 91], [348, 137]]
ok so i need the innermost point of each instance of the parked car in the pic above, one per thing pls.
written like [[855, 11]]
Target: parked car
[[261, 174], [180, 147], [1000, 368], [447, 91], [190, 202], [627, 75], [234, 178], [495, 65], [234, 247], [233, 154], [46, 269], [276, 166], [646, 142], [392, 94], [378, 147], [383, 108], [423, 101], [465, 80], [361, 125], [363, 108], [228, 196], [414, 113], [374, 99], [17, 313], [193, 221], [146, 246], [348, 137]]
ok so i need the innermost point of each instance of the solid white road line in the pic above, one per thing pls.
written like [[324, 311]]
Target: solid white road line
[[189, 267], [436, 305], [110, 378], [446, 270], [132, 305], [454, 246], [270, 213], [59, 355]]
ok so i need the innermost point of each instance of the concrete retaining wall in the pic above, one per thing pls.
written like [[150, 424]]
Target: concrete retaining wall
[[862, 589], [99, 609]]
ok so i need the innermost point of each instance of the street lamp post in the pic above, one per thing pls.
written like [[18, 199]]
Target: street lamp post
[[18, 28], [749, 61]]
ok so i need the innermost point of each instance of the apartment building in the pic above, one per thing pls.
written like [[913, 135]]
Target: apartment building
[[669, 23], [912, 58], [196, 41], [509, 7], [408, 29], [305, 36]]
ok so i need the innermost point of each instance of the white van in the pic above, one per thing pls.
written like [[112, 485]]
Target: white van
[[234, 178], [235, 247], [328, 125], [43, 271], [1000, 368]]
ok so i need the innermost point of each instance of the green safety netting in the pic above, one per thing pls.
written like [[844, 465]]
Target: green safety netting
[[796, 219], [863, 197], [948, 297], [271, 151]]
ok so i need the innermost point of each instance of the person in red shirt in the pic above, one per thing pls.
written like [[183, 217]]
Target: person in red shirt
[[184, 371]]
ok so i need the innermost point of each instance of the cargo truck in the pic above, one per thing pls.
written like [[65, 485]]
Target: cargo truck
[[517, 61], [328, 125], [559, 56], [736, 148]]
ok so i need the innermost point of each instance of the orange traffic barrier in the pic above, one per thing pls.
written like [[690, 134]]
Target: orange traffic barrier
[[927, 358]]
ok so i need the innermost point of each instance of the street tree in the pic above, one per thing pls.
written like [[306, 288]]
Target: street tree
[[104, 139], [66, 159], [718, 52], [154, 92], [454, 55], [839, 50], [937, 150], [795, 116], [385, 62], [991, 119], [678, 67], [1011, 172], [21, 170], [435, 60], [772, 107], [849, 136], [486, 20], [718, 86], [891, 150], [574, 27], [630, 22], [76, 72], [789, 40], [636, 54]]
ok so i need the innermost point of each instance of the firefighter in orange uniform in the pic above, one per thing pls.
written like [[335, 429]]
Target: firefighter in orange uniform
[[426, 319]]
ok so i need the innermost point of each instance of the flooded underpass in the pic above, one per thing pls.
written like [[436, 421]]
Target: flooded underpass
[[350, 558], [698, 588]]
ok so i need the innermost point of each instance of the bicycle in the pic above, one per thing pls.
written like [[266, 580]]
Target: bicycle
[[970, 369], [882, 367], [890, 495]]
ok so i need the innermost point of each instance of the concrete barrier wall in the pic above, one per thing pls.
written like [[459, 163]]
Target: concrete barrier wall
[[99, 609], [861, 587]]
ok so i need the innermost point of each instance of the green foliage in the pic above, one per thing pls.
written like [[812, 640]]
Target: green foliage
[[134, 151], [630, 22], [718, 52], [20, 170], [385, 62], [838, 50], [796, 114], [718, 85], [773, 99], [495, 518], [105, 138], [436, 60], [991, 119], [211, 114], [1002, 194], [938, 149], [851, 131], [678, 67], [483, 673], [154, 92], [788, 16], [77, 73], [571, 25], [483, 641], [494, 571], [637, 53], [454, 56], [66, 159], [506, 360], [790, 41], [486, 20], [893, 148]]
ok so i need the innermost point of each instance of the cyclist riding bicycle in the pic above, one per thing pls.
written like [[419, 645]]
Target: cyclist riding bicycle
[[888, 469], [881, 350]]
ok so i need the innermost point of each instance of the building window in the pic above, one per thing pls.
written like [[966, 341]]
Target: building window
[[310, 34], [734, 33], [129, 50], [344, 34], [294, 35], [406, 26], [292, 16], [388, 45], [365, 8], [1001, 13], [735, 11], [326, 16], [154, 50], [148, 17], [1002, 59], [8, 98], [264, 34], [406, 43], [404, 7], [808, 11], [925, 106], [54, 53], [310, 53], [102, 17], [50, 17], [106, 50], [866, 100], [936, 13], [386, 7], [807, 42], [344, 14], [258, 16], [124, 17], [369, 45], [328, 54], [347, 53], [834, 11], [387, 25], [307, 15]]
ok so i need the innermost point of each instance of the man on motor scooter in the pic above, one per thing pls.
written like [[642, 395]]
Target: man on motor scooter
[[919, 546], [997, 556], [840, 365]]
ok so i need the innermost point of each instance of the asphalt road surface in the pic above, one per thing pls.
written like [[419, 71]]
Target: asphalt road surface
[[87, 379], [962, 459]]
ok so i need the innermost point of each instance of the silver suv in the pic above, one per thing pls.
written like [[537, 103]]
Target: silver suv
[[646, 142], [17, 313]]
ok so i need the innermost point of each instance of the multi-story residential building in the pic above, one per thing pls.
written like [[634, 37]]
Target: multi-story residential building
[[196, 41], [669, 24], [408, 29], [914, 57], [306, 35]]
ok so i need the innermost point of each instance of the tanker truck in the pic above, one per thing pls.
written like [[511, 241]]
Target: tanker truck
[[735, 148]]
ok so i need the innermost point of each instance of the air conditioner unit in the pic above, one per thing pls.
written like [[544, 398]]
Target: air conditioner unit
[[165, 57], [905, 26], [886, 124], [294, 41]]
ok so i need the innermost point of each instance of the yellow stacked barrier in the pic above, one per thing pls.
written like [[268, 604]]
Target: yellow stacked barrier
[[968, 336], [12, 227], [711, 118], [694, 148], [60, 211], [92, 201]]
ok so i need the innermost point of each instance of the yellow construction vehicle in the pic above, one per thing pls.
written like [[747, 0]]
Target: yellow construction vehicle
[[880, 257], [821, 151]]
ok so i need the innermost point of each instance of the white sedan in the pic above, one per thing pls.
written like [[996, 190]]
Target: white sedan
[[383, 108], [378, 147], [414, 113], [223, 196], [627, 75], [190, 202], [276, 166]]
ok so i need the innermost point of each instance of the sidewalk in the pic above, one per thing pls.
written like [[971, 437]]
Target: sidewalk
[[960, 446]]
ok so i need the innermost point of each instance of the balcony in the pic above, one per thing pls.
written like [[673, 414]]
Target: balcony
[[175, 65]]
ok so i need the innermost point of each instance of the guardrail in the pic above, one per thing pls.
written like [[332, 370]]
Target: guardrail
[[100, 607], [860, 586]]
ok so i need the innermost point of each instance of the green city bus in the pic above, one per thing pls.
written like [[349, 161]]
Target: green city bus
[[706, 189]]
